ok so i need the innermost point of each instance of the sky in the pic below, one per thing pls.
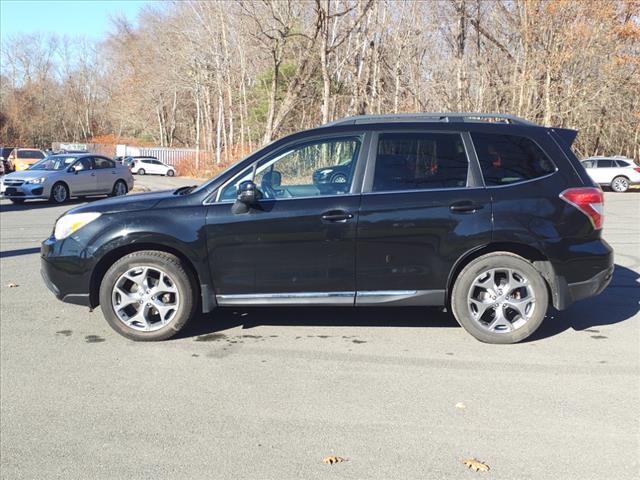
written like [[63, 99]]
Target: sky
[[64, 17]]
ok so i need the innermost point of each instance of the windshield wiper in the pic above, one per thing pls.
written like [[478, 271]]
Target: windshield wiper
[[184, 190]]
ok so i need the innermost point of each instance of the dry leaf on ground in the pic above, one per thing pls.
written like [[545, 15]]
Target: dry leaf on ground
[[476, 465], [12, 285], [331, 459]]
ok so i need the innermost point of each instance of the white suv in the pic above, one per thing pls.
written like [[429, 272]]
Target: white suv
[[142, 166], [619, 173]]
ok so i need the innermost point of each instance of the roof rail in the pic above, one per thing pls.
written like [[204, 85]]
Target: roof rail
[[431, 117]]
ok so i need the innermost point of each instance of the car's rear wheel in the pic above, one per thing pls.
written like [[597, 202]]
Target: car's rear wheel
[[170, 173], [141, 171], [59, 193], [500, 298], [147, 296], [620, 184], [119, 188]]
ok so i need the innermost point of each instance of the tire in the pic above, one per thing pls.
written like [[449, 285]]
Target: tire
[[339, 178], [137, 320], [141, 171], [474, 302], [119, 188], [620, 184], [59, 193], [17, 201], [170, 173]]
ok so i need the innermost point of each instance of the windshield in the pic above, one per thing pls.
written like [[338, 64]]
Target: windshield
[[55, 162]]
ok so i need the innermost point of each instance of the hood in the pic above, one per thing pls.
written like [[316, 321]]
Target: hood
[[29, 174], [126, 203]]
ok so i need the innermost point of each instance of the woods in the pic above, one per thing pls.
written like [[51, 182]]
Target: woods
[[226, 77]]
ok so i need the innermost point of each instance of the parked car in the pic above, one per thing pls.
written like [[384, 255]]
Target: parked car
[[143, 166], [60, 177], [495, 220], [128, 160], [617, 173], [4, 158], [23, 158]]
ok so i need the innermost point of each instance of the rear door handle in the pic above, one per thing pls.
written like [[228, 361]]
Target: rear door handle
[[336, 216], [465, 207]]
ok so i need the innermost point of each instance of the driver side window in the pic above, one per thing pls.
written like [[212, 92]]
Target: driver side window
[[319, 168]]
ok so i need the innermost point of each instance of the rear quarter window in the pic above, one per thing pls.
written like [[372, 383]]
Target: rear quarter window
[[509, 159]]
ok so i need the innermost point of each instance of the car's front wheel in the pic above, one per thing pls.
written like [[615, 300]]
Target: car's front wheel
[[620, 184], [148, 296], [59, 193], [500, 298]]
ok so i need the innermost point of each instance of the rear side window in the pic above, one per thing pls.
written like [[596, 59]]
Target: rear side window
[[507, 159], [30, 154], [100, 162], [420, 161], [606, 164]]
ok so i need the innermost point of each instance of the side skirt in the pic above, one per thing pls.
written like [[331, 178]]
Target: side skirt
[[364, 298]]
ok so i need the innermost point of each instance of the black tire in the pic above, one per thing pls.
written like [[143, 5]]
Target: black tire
[[620, 184], [339, 178], [141, 171], [17, 201], [170, 173], [121, 184], [53, 198], [471, 272], [183, 281]]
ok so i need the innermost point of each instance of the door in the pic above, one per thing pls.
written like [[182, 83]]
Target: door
[[83, 180], [422, 208], [606, 171], [106, 174], [298, 244]]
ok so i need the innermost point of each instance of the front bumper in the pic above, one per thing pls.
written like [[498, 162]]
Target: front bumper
[[66, 275], [23, 191]]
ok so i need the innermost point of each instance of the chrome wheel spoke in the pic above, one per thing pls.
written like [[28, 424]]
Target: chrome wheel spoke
[[145, 298], [504, 292], [500, 322], [481, 307]]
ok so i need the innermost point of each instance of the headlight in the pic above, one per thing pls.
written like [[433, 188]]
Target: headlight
[[73, 222], [36, 180]]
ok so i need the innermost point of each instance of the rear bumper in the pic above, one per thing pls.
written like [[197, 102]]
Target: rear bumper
[[598, 265]]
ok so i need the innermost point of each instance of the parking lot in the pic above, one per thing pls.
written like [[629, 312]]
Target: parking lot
[[267, 393]]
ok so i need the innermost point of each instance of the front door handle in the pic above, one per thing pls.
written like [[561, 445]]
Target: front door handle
[[336, 216], [465, 207]]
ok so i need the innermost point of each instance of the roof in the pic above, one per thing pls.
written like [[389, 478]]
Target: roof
[[432, 117]]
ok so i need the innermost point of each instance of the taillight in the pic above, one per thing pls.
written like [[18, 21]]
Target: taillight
[[637, 169], [588, 200]]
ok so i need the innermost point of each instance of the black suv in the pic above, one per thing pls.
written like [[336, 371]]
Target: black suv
[[493, 219]]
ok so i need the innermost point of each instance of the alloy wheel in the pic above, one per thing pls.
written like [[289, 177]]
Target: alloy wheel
[[120, 189], [501, 300], [145, 298], [620, 184], [59, 193]]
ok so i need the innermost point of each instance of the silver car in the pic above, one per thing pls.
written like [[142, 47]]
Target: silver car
[[60, 177]]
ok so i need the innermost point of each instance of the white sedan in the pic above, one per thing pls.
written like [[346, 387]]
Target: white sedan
[[142, 166], [617, 173]]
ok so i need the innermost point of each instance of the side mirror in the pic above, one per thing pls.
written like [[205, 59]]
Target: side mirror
[[247, 195]]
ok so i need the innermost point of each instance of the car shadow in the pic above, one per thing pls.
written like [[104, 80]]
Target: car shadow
[[18, 252], [620, 301], [224, 318], [40, 204]]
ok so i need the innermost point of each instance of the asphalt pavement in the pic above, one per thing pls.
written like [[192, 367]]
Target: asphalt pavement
[[267, 393]]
